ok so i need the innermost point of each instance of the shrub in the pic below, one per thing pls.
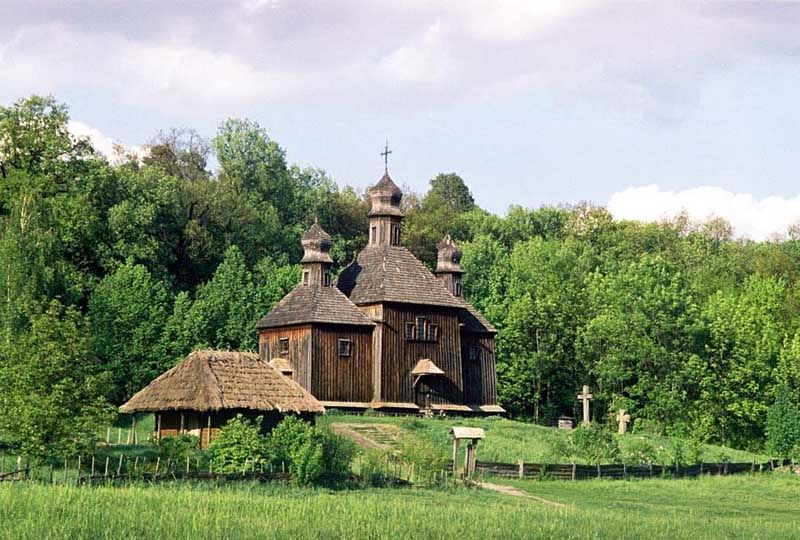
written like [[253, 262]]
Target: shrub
[[639, 450], [179, 448], [594, 443], [313, 455], [373, 467], [427, 459], [239, 442], [783, 423]]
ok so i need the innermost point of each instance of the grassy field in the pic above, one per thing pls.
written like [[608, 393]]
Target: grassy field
[[508, 440], [712, 507]]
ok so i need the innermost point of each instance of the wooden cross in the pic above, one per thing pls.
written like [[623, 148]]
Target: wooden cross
[[623, 418], [385, 155], [585, 396]]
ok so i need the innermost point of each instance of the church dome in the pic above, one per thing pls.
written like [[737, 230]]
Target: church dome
[[316, 244], [385, 197], [448, 257]]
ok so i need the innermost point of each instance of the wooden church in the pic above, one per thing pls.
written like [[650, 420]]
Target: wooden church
[[387, 334]]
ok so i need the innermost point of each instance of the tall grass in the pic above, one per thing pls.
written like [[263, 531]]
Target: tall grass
[[743, 507]]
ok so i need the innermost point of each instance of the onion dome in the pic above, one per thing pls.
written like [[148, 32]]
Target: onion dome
[[385, 197], [316, 245], [448, 257]]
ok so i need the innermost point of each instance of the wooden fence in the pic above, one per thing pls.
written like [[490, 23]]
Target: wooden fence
[[618, 471]]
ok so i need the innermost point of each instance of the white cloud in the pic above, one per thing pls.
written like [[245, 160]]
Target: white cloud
[[647, 57], [112, 149], [751, 217]]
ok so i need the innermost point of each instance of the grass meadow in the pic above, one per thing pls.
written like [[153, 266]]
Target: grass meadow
[[763, 506]]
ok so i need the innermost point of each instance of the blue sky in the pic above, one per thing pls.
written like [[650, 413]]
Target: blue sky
[[647, 107]]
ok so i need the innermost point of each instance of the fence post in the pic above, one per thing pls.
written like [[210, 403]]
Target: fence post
[[119, 465], [158, 463], [573, 470], [187, 465], [651, 469], [105, 473], [92, 474], [701, 468], [19, 467], [624, 471], [79, 469], [598, 470], [521, 466], [66, 460]]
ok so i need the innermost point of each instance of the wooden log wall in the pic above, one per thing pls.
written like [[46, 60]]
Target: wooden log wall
[[341, 378], [399, 356], [480, 375], [299, 350]]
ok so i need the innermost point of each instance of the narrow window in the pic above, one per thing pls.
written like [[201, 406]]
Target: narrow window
[[283, 346], [344, 347], [306, 277], [420, 328], [474, 353], [374, 233], [409, 331], [457, 288], [433, 332], [395, 235], [326, 279]]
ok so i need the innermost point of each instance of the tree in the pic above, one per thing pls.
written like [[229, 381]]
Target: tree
[[783, 423], [452, 190], [226, 308], [52, 388], [128, 311]]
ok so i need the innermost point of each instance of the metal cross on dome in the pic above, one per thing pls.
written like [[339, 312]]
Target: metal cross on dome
[[385, 155]]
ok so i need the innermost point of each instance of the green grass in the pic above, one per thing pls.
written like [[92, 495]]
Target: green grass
[[509, 440], [712, 507]]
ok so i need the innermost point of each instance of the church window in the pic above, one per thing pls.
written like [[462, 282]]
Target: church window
[[326, 279], [457, 288], [409, 331], [421, 322], [433, 332], [344, 347], [283, 346], [395, 235], [474, 353], [306, 277], [374, 234]]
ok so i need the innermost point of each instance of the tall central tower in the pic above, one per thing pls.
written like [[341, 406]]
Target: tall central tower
[[385, 216]]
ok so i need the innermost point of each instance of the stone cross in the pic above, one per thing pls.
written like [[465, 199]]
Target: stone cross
[[623, 418], [585, 396]]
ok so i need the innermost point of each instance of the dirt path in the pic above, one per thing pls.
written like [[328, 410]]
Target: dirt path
[[508, 490]]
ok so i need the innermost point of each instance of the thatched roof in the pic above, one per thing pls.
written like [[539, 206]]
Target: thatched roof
[[392, 274], [314, 304], [214, 380]]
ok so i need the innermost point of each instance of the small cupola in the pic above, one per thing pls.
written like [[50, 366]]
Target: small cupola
[[448, 265], [316, 259], [385, 216]]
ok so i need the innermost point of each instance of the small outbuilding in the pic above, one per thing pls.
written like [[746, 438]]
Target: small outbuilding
[[208, 388]]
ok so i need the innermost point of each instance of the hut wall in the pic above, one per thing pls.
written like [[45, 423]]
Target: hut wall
[[341, 378], [399, 355], [299, 349], [480, 376], [197, 423]]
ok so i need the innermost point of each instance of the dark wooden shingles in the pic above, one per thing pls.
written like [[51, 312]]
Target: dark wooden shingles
[[314, 304]]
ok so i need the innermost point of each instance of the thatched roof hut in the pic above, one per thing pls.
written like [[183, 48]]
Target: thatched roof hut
[[209, 387]]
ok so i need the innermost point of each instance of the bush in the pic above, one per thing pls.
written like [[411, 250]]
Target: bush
[[313, 455], [783, 423], [639, 450], [177, 449], [373, 467], [594, 443], [239, 442], [427, 459]]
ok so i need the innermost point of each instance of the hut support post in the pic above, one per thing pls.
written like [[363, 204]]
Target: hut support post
[[133, 428], [182, 423], [455, 456], [158, 428], [208, 432]]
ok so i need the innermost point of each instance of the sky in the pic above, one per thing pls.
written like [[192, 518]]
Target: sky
[[649, 108]]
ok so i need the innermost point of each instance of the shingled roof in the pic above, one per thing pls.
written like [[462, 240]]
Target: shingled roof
[[314, 304], [214, 380], [392, 274], [473, 320]]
